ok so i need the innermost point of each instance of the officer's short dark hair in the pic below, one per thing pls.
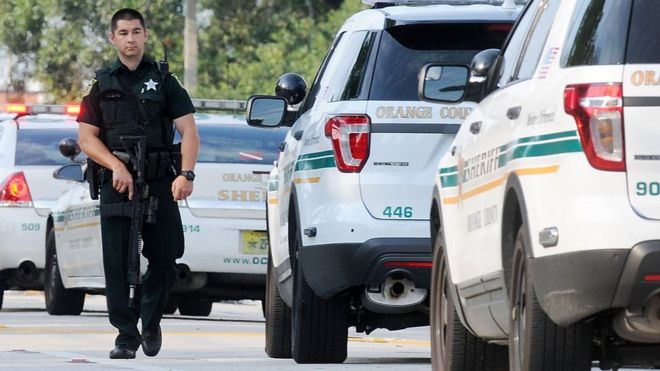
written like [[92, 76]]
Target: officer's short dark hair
[[126, 14]]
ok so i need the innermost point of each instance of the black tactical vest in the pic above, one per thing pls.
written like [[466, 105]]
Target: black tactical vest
[[134, 110]]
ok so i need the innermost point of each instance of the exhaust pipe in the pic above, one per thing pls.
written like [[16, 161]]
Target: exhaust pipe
[[187, 281], [397, 294], [182, 272], [397, 289], [643, 327]]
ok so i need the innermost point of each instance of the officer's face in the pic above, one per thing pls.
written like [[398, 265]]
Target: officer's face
[[129, 38]]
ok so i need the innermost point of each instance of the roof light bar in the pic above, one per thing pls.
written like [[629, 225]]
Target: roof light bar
[[53, 108], [73, 110], [221, 105], [15, 108], [35, 109], [507, 4]]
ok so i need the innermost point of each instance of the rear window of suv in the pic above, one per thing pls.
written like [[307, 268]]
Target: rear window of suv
[[601, 28], [643, 41], [405, 49], [41, 146], [239, 144]]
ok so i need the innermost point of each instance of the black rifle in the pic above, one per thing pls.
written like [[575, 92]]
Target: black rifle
[[141, 209]]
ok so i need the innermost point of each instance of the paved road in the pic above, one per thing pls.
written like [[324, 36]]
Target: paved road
[[230, 339]]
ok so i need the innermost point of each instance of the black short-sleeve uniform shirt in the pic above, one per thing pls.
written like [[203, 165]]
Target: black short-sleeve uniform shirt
[[177, 100]]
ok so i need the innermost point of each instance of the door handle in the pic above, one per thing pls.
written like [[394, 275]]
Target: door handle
[[282, 146], [513, 112], [475, 127], [298, 134]]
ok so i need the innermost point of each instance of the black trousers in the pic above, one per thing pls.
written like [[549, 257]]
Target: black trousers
[[162, 244]]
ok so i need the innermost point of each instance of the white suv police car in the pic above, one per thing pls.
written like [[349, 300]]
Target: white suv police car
[[348, 200], [28, 155], [547, 206], [223, 221]]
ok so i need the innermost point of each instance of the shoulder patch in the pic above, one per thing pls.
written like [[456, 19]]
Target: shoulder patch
[[88, 89]]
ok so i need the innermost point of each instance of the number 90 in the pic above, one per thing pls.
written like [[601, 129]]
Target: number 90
[[651, 188]]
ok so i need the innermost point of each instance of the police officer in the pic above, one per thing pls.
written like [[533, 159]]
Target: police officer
[[133, 97]]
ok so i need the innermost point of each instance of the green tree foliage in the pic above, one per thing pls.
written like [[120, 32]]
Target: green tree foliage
[[21, 23], [244, 45], [244, 50], [64, 41]]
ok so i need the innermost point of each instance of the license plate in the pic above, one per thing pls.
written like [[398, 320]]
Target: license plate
[[254, 242]]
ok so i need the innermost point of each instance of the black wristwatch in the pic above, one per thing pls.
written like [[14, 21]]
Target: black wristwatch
[[188, 174]]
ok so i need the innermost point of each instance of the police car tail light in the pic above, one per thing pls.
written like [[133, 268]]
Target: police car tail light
[[14, 191], [598, 113], [350, 137]]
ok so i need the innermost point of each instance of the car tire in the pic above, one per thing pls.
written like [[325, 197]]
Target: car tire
[[59, 300], [2, 295], [453, 347], [319, 327], [278, 318], [535, 342], [195, 306], [171, 304]]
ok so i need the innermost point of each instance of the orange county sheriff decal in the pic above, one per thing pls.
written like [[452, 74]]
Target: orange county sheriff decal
[[644, 78], [401, 112]]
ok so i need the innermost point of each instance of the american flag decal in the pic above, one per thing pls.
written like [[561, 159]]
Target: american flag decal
[[547, 62]]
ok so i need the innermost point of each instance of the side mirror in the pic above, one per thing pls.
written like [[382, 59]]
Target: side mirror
[[480, 70], [69, 148], [482, 63], [443, 83], [291, 87], [265, 111], [70, 172]]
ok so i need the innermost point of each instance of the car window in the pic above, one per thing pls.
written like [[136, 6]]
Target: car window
[[643, 42], [598, 33], [41, 146], [536, 39], [355, 87], [403, 50], [348, 56], [509, 61], [316, 86], [239, 144]]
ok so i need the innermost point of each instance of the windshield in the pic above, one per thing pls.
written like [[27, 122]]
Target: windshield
[[239, 144], [41, 146]]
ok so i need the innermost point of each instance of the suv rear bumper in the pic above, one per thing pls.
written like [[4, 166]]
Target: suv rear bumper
[[330, 269], [574, 286]]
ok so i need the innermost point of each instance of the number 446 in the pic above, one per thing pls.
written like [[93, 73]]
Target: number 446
[[398, 212]]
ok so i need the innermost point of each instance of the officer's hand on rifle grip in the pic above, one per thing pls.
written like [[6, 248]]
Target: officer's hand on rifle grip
[[122, 180]]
